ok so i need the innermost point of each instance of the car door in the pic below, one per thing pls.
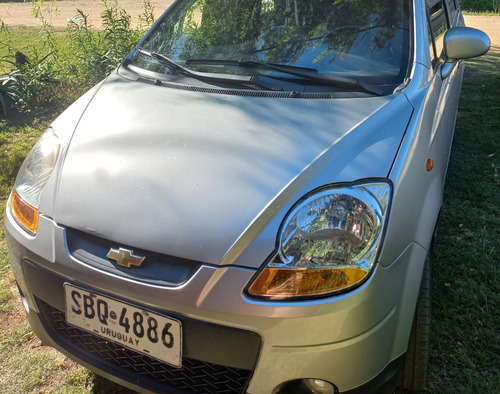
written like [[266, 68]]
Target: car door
[[442, 15]]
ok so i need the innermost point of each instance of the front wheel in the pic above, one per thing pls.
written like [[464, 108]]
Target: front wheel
[[414, 373]]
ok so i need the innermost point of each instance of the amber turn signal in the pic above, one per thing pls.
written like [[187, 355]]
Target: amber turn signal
[[277, 282], [25, 214]]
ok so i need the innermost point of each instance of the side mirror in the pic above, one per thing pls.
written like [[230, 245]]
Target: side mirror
[[463, 43]]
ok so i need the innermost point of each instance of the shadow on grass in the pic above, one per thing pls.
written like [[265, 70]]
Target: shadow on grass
[[103, 386], [465, 341], [486, 64]]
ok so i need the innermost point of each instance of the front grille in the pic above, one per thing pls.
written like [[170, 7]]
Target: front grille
[[158, 269], [193, 377]]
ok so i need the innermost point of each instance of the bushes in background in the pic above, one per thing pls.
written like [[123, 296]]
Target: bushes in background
[[62, 69], [481, 5]]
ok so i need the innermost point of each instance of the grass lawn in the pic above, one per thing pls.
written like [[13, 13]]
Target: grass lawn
[[466, 284]]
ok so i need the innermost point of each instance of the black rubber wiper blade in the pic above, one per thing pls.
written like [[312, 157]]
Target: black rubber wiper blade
[[168, 62], [346, 82], [302, 72], [201, 76], [313, 75], [286, 68]]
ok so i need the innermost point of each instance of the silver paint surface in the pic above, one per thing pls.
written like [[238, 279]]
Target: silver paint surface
[[186, 173]]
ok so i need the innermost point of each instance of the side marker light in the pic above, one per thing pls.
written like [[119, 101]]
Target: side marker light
[[430, 164]]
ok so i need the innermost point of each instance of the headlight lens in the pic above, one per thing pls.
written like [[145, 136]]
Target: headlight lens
[[328, 242], [32, 178]]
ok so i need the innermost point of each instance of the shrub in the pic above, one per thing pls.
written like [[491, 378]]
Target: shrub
[[61, 70], [11, 87], [481, 5], [97, 52]]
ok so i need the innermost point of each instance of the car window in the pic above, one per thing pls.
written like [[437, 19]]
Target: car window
[[349, 38], [452, 9], [439, 26], [451, 6]]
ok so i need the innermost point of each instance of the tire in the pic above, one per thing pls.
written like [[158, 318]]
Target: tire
[[414, 372]]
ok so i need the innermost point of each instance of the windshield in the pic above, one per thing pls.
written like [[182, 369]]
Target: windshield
[[365, 40]]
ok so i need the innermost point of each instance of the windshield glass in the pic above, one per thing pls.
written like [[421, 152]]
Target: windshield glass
[[367, 40]]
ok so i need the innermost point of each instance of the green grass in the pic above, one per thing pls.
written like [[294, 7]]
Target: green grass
[[466, 283], [27, 40], [16, 140], [23, 38], [27, 366]]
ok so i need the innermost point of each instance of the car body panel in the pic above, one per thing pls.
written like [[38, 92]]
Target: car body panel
[[364, 319], [231, 176]]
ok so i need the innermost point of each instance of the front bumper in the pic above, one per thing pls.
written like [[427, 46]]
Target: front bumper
[[257, 346]]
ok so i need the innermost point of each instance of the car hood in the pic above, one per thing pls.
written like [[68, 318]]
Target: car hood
[[191, 173]]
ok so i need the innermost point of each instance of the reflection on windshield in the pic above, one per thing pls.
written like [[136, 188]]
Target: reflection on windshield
[[363, 39]]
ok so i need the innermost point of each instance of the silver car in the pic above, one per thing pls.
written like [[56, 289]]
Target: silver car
[[247, 204]]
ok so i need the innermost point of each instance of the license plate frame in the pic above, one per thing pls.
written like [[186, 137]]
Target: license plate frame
[[139, 329]]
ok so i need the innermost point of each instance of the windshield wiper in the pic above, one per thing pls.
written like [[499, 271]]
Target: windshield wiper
[[169, 62], [302, 72], [201, 76], [286, 68]]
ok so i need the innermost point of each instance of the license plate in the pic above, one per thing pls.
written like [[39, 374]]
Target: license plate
[[138, 329]]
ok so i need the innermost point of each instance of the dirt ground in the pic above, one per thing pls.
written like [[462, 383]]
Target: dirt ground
[[489, 24], [58, 12]]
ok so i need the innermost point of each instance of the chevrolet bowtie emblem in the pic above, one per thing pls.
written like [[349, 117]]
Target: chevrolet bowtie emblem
[[125, 257]]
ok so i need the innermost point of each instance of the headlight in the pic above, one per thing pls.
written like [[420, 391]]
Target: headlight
[[31, 179], [328, 242]]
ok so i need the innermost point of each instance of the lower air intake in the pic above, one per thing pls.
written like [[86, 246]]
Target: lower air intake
[[193, 377]]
